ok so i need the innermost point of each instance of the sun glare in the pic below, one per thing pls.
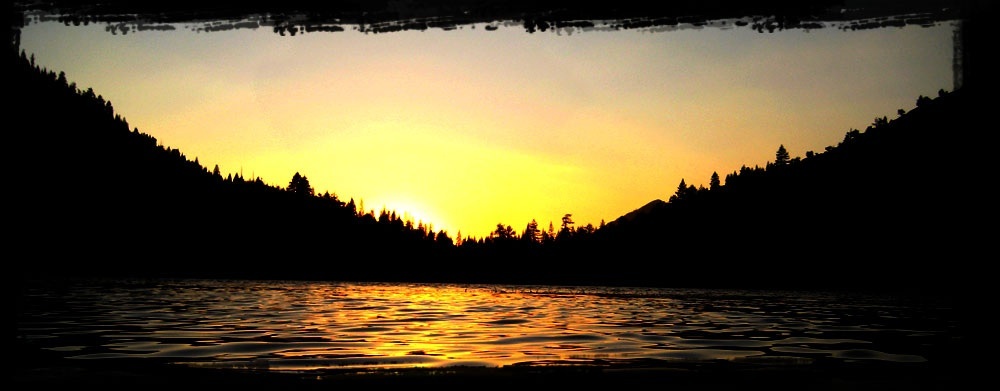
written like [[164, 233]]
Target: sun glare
[[467, 129], [415, 212]]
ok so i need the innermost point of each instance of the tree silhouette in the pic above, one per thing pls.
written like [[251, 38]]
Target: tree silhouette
[[781, 157], [531, 232], [300, 185], [683, 191], [351, 207], [504, 232], [714, 183], [549, 235], [443, 239], [567, 227]]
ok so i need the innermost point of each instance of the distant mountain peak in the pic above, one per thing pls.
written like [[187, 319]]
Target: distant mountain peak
[[644, 210]]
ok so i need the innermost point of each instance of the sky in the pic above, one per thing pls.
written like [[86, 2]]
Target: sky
[[468, 128]]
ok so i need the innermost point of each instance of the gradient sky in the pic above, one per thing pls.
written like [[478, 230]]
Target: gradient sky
[[468, 128]]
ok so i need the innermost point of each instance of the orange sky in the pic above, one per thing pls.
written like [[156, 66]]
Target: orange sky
[[468, 128]]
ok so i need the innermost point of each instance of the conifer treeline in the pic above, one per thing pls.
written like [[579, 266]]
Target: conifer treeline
[[89, 186], [93, 195]]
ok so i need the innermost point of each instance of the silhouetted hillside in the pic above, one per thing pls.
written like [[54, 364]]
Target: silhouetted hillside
[[641, 213], [884, 207], [93, 196], [889, 206], [895, 206], [898, 204]]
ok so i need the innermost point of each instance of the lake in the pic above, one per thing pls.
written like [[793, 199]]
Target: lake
[[298, 325]]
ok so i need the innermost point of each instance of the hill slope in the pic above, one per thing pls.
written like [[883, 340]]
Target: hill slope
[[897, 205], [884, 207], [92, 196]]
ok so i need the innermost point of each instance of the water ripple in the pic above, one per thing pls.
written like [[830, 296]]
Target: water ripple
[[313, 325]]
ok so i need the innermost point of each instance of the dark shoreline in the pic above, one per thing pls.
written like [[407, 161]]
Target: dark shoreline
[[53, 373]]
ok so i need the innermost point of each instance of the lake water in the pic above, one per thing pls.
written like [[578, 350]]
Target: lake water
[[291, 325]]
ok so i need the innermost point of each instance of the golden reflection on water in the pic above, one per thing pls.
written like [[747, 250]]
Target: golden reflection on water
[[302, 325], [447, 325]]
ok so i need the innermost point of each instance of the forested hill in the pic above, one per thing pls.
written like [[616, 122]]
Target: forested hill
[[92, 195], [892, 205], [898, 204]]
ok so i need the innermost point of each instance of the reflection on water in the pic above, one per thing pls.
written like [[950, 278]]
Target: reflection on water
[[312, 325]]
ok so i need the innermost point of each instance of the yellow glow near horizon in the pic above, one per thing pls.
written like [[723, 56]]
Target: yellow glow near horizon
[[466, 129]]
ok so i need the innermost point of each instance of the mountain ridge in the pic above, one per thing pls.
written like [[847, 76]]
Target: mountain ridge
[[128, 198]]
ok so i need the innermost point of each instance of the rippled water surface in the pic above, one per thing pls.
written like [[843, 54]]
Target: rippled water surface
[[316, 325]]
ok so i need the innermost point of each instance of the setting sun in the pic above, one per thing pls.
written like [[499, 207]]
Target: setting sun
[[467, 129], [413, 212]]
